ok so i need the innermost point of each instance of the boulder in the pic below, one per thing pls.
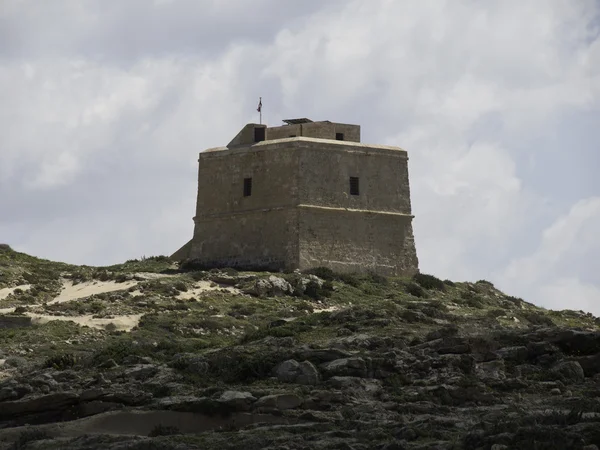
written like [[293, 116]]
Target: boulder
[[590, 364], [517, 354], [291, 371], [354, 366], [237, 400], [279, 401], [569, 371], [190, 362], [303, 282], [491, 371], [270, 287]]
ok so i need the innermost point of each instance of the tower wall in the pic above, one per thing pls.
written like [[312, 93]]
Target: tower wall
[[259, 230], [301, 211], [370, 231]]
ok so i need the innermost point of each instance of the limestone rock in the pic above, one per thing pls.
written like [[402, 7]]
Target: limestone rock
[[517, 354], [354, 366], [291, 371], [239, 401], [569, 371], [279, 401], [38, 404], [270, 287], [303, 282]]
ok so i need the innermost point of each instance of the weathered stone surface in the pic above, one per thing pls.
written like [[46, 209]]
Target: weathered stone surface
[[359, 385], [492, 370], [301, 218], [279, 401], [240, 401], [190, 362], [271, 287], [292, 371], [304, 281], [354, 366], [517, 354], [38, 404], [569, 371]]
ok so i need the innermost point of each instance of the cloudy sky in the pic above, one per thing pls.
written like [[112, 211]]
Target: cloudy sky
[[104, 105]]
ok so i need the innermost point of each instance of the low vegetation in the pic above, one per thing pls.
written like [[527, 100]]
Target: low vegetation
[[416, 362]]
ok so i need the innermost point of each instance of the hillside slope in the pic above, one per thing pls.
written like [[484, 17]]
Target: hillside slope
[[146, 354]]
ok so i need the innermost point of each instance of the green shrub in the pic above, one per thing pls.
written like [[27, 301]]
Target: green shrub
[[316, 292], [350, 279], [485, 282], [472, 299], [429, 281], [516, 300], [324, 273], [377, 279], [537, 318], [180, 286], [241, 309], [449, 283], [5, 248], [232, 366], [61, 361], [415, 290]]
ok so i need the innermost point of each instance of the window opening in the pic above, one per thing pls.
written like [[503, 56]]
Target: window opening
[[354, 186], [339, 136], [247, 187]]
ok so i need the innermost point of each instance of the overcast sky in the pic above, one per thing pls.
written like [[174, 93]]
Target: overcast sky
[[104, 105]]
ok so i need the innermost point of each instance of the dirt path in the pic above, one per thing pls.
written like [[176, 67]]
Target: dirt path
[[5, 292], [72, 291]]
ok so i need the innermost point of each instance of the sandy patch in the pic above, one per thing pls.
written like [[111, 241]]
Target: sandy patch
[[206, 286], [152, 276], [81, 290], [121, 323], [329, 309], [5, 292]]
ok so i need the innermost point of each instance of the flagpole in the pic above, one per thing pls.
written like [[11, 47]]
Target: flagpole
[[259, 109]]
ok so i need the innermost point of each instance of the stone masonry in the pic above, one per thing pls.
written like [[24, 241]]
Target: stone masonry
[[303, 195]]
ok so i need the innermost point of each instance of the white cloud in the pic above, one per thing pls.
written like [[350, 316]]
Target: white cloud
[[553, 275]]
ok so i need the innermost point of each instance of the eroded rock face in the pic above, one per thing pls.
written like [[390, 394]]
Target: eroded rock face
[[291, 371], [239, 401], [355, 366], [272, 286]]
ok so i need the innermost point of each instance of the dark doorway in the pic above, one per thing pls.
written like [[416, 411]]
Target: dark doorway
[[259, 134], [339, 136]]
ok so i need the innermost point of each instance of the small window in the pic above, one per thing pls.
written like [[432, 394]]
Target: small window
[[247, 187], [292, 135], [339, 136], [259, 134], [354, 186]]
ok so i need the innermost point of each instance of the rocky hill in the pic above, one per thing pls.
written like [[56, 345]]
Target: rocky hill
[[149, 355]]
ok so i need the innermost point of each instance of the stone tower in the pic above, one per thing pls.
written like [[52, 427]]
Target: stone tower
[[303, 195]]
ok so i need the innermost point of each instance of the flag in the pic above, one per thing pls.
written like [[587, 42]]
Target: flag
[[259, 109]]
